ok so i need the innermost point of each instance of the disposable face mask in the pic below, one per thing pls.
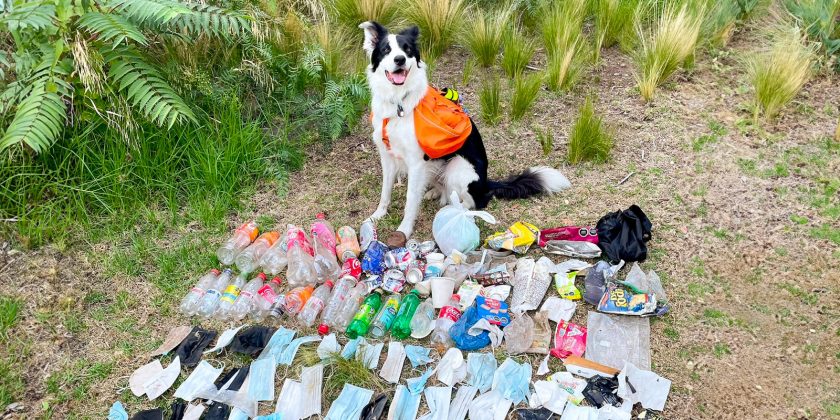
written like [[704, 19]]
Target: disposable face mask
[[289, 402], [574, 412], [489, 406], [542, 369], [189, 351], [194, 412], [252, 340], [349, 350], [461, 404], [480, 370], [218, 411], [416, 385], [375, 409], [272, 416], [452, 368], [511, 380], [224, 339], [278, 342], [291, 350], [417, 355], [392, 368], [644, 386], [405, 405], [368, 354], [328, 347], [482, 325], [550, 396], [241, 401], [609, 412], [156, 386], [224, 388], [117, 412], [437, 398], [144, 374], [201, 377], [237, 414], [312, 379], [559, 309], [261, 379], [175, 337], [349, 403]]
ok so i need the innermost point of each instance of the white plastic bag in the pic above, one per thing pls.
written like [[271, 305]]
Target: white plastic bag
[[454, 227]]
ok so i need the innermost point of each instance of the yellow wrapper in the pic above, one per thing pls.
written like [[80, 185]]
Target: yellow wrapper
[[517, 238]]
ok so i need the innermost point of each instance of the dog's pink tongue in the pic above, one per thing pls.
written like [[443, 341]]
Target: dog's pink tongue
[[398, 78]]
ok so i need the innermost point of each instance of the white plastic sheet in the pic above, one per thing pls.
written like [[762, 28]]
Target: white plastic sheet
[[614, 339]]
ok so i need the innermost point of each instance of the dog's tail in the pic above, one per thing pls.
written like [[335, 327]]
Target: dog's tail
[[533, 181]]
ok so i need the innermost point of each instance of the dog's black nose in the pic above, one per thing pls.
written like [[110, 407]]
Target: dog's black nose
[[399, 60]]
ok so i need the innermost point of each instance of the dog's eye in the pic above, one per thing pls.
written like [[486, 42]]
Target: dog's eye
[[386, 50]]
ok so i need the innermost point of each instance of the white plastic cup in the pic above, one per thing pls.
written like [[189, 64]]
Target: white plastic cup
[[442, 289]]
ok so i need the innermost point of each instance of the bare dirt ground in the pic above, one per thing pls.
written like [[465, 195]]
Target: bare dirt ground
[[745, 238]]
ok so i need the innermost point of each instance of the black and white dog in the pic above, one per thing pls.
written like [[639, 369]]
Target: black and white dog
[[397, 79]]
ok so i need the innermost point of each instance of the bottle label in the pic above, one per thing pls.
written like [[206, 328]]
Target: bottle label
[[389, 313], [296, 238], [231, 293], [432, 271], [250, 229], [267, 293], [317, 304], [365, 313], [321, 233], [246, 294], [212, 294], [270, 237], [450, 312], [199, 292]]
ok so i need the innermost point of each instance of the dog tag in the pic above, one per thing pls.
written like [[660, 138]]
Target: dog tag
[[400, 111]]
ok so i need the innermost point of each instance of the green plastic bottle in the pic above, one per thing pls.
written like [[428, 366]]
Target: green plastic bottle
[[402, 325], [360, 324]]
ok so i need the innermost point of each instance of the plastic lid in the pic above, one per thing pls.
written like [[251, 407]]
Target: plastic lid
[[215, 271], [277, 280], [323, 329], [456, 297], [262, 276], [320, 216], [329, 283]]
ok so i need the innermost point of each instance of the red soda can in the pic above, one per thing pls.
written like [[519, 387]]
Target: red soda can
[[398, 258], [352, 267]]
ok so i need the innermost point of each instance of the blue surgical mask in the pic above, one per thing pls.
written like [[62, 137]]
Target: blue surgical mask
[[462, 401], [418, 355], [117, 412], [349, 350], [368, 354], [416, 385], [291, 350], [480, 370], [405, 404], [277, 343], [261, 379], [349, 403], [512, 380], [437, 399]]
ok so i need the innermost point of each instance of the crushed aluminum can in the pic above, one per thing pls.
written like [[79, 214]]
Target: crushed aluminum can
[[352, 267], [373, 261], [413, 247], [393, 281], [372, 282], [398, 258], [414, 275], [367, 234], [427, 247]]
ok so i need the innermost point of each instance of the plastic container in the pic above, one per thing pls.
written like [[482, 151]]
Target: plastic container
[[295, 299], [189, 304], [248, 260], [299, 254], [449, 314], [434, 265], [265, 299], [364, 316], [210, 300], [323, 240], [229, 296], [347, 311], [338, 297], [241, 238]]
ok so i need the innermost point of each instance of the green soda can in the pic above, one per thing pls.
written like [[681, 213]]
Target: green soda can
[[402, 325], [360, 324]]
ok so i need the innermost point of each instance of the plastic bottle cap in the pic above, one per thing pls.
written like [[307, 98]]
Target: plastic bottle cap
[[262, 276], [329, 283], [215, 271], [456, 297], [320, 216], [323, 329], [277, 280]]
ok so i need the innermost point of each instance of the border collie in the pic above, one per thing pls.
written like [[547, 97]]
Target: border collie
[[397, 79]]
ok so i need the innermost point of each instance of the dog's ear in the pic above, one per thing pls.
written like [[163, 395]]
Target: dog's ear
[[412, 32], [373, 33]]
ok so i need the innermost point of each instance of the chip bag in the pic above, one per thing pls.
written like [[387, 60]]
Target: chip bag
[[565, 284], [569, 339], [617, 300], [517, 238]]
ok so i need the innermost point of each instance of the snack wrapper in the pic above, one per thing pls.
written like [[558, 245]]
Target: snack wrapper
[[495, 311], [617, 300], [565, 284], [517, 238], [569, 339]]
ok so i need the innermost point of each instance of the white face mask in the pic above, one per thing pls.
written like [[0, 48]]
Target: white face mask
[[349, 403], [194, 412], [452, 368], [224, 339], [144, 374], [156, 386], [461, 404], [312, 379], [392, 368], [201, 377], [328, 347], [437, 398], [289, 402], [405, 405], [489, 406]]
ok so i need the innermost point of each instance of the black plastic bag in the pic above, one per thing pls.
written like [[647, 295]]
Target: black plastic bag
[[190, 350], [178, 409], [153, 414], [541, 413], [600, 390], [623, 235]]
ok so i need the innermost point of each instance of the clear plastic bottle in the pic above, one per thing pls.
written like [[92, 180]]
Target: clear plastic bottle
[[323, 240], [385, 318], [189, 304], [296, 298], [248, 260], [423, 321], [350, 307], [241, 238], [279, 307], [315, 304], [246, 301], [265, 298], [229, 297], [210, 300], [449, 314], [348, 243], [274, 260], [339, 295], [301, 264]]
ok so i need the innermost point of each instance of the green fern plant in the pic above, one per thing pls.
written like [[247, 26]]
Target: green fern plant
[[97, 56]]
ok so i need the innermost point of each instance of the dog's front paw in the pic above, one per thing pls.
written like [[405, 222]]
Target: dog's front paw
[[378, 214], [432, 194]]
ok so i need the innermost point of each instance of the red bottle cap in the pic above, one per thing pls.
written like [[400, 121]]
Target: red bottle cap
[[262, 276], [329, 283], [277, 280], [321, 216], [215, 271], [456, 297], [323, 329]]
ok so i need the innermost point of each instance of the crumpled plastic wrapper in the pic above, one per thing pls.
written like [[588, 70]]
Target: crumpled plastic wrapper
[[530, 283]]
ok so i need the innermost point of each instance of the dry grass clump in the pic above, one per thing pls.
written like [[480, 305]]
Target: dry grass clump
[[778, 74], [439, 21]]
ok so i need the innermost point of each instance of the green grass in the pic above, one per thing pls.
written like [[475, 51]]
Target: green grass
[[565, 44], [546, 139], [9, 312], [490, 100], [350, 13], [340, 371], [526, 88], [667, 45], [717, 130], [613, 23], [518, 51], [439, 22], [721, 349], [484, 34], [590, 139], [778, 74], [11, 380]]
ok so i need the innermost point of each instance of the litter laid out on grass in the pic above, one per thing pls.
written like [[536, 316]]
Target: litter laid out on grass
[[477, 307]]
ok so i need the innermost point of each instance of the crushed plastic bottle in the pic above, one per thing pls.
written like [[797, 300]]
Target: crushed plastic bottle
[[423, 321], [265, 299], [348, 244], [210, 300], [248, 260], [240, 240], [229, 297], [323, 240], [189, 304], [350, 307], [246, 301], [275, 260], [296, 298], [338, 297], [449, 314], [385, 318], [364, 316], [299, 254], [315, 304]]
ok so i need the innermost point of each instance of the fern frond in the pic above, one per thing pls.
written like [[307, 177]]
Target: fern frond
[[38, 120], [145, 89], [111, 27], [35, 15], [151, 12], [204, 18]]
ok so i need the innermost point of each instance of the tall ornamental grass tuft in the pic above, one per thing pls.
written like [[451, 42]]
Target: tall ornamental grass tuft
[[350, 13], [565, 44], [439, 21], [484, 34], [590, 138], [778, 74], [613, 23], [490, 99], [526, 88], [519, 49]]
